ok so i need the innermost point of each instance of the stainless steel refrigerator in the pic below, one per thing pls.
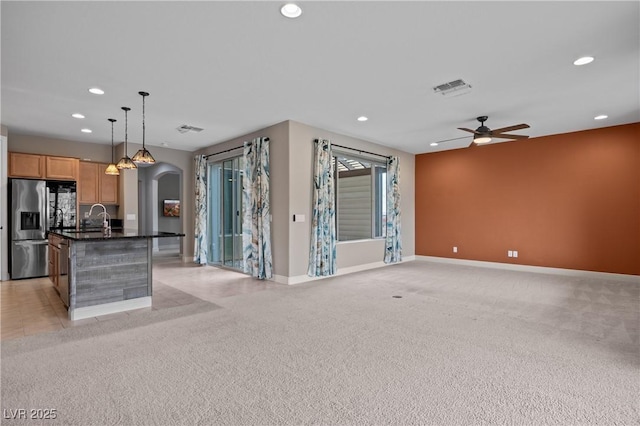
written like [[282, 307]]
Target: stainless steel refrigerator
[[36, 207]]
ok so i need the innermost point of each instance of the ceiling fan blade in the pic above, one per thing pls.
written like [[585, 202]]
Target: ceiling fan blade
[[509, 128], [466, 130], [506, 136]]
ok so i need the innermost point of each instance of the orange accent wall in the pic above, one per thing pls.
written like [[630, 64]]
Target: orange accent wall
[[564, 201]]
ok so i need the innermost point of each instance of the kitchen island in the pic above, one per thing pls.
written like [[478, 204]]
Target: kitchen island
[[105, 273]]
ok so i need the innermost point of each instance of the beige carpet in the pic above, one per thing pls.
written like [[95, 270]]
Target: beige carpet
[[462, 346]]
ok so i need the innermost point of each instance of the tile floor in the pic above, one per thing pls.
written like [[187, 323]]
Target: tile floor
[[33, 306]]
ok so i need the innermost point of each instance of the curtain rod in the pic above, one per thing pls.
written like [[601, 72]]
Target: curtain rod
[[359, 150], [226, 150]]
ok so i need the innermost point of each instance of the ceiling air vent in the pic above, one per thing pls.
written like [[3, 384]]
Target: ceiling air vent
[[186, 128], [453, 88]]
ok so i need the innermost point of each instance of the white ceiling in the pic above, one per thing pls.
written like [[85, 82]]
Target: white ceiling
[[236, 67]]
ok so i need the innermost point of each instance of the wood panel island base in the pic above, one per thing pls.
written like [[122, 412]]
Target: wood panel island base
[[108, 274]]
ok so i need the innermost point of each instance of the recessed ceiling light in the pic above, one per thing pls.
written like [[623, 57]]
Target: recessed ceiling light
[[362, 118], [583, 61], [434, 144], [600, 117], [77, 115], [291, 10], [96, 91], [86, 130]]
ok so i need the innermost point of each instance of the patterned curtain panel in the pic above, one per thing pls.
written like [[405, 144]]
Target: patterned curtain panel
[[393, 244], [322, 254], [200, 247], [256, 224]]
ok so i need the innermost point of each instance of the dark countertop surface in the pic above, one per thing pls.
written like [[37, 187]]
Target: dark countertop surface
[[98, 235]]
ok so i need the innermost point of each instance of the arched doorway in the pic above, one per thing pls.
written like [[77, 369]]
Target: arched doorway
[[160, 186]]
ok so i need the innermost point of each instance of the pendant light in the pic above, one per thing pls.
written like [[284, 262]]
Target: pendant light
[[143, 156], [125, 162], [111, 168]]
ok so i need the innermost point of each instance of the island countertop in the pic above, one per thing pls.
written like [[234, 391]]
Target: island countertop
[[97, 235]]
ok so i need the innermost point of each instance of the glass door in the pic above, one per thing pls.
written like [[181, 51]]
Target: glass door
[[225, 213]]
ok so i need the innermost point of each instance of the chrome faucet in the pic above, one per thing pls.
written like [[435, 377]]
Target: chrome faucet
[[106, 224]]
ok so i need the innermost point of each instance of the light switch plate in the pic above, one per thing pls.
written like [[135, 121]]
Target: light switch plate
[[131, 216], [299, 218]]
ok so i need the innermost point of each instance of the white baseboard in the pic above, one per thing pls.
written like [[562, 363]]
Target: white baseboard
[[536, 269], [299, 279], [109, 308]]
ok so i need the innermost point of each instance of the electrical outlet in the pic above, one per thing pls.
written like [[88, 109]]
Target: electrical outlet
[[515, 253], [86, 215], [455, 249], [510, 253]]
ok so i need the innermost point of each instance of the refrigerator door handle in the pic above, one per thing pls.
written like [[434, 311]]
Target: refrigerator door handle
[[45, 209], [31, 242]]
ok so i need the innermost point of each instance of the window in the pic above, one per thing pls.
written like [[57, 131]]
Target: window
[[361, 207]]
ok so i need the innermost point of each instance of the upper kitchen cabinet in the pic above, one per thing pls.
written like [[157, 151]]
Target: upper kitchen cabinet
[[62, 168], [108, 186], [26, 165], [42, 166], [88, 183], [94, 186]]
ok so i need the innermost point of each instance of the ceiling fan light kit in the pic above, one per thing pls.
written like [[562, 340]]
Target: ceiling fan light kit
[[483, 134], [482, 139]]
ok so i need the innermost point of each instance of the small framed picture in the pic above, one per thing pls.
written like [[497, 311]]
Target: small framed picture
[[171, 208]]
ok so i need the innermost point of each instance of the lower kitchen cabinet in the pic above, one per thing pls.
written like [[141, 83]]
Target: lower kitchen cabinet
[[54, 256], [59, 266]]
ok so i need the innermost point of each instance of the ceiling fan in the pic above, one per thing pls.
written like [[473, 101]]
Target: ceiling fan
[[483, 134]]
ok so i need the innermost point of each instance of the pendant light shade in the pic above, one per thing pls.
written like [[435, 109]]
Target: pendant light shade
[[143, 156], [111, 168], [125, 162]]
